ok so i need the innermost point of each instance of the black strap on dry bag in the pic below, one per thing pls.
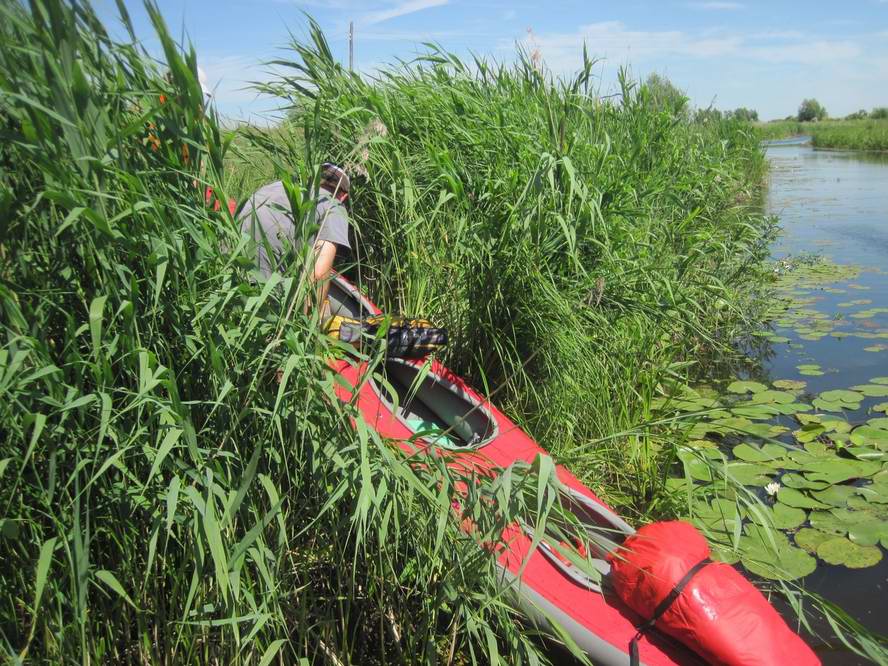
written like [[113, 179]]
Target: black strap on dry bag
[[661, 608]]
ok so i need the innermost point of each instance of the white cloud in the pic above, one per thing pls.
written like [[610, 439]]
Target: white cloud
[[809, 53], [716, 6], [417, 36], [403, 9], [613, 40]]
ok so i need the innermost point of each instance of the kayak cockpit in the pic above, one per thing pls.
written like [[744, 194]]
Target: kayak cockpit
[[437, 410]]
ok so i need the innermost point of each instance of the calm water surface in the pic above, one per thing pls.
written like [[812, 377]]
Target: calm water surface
[[836, 204]]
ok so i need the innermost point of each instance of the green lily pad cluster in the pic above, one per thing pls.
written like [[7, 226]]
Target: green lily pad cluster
[[824, 474], [836, 401], [781, 498], [800, 286]]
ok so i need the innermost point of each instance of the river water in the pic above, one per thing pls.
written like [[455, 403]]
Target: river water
[[836, 204]]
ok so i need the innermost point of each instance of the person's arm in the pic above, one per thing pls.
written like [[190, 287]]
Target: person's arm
[[324, 256]]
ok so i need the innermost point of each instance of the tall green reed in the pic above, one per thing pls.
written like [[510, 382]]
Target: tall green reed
[[579, 250], [165, 497], [585, 254]]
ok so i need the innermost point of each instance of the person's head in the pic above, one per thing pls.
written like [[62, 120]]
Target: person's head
[[335, 180]]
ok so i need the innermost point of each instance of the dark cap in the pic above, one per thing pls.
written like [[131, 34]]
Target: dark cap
[[334, 178]]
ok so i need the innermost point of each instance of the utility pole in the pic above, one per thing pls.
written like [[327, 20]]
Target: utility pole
[[351, 45]]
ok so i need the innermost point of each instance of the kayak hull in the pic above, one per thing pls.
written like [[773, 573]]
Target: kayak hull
[[596, 620]]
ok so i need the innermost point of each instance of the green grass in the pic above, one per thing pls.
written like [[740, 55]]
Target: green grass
[[848, 134], [166, 500]]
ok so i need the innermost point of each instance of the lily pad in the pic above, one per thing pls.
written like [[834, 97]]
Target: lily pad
[[758, 412], [752, 453], [875, 493], [787, 563], [826, 521], [792, 480], [835, 495], [750, 474], [746, 387], [867, 435], [766, 430], [879, 380], [834, 405], [787, 517], [851, 517], [841, 395], [772, 397], [809, 538], [809, 432], [792, 384], [881, 407], [853, 556], [837, 470], [868, 533], [795, 498], [866, 453], [695, 467], [724, 553], [872, 390], [818, 449]]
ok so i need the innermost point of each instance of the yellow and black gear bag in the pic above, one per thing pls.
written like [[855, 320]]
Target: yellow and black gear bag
[[405, 337]]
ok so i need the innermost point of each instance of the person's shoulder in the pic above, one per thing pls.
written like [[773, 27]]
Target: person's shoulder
[[277, 187]]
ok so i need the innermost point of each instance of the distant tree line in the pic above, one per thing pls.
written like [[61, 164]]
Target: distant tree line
[[741, 113], [812, 110], [878, 113], [666, 96]]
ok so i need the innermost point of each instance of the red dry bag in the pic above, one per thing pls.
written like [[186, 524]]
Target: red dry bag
[[664, 574]]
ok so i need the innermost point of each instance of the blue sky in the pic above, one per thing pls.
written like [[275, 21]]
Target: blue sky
[[764, 55]]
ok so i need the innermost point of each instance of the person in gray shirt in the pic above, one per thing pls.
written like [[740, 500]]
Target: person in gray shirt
[[268, 218]]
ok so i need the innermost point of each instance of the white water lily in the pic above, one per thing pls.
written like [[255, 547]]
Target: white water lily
[[772, 488]]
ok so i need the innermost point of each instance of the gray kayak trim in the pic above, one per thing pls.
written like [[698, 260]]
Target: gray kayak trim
[[340, 292], [545, 613], [599, 510], [612, 523]]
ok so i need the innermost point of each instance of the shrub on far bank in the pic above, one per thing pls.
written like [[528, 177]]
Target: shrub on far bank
[[811, 109]]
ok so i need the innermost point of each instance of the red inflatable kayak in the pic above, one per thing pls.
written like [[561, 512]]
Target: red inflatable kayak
[[549, 586]]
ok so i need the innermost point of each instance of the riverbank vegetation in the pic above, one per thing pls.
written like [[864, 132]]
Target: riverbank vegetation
[[180, 483], [852, 134], [579, 251]]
